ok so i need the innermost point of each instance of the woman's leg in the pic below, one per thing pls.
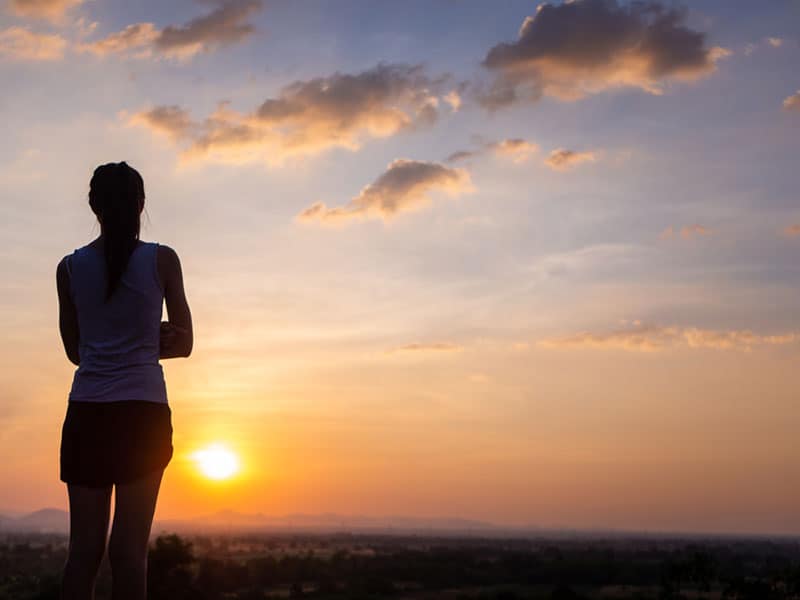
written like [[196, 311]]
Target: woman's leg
[[88, 527], [134, 506]]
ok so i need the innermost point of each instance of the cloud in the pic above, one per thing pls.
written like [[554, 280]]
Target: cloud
[[686, 232], [172, 121], [792, 102], [42, 9], [139, 36], [792, 230], [518, 150], [772, 42], [562, 159], [427, 348], [653, 338], [515, 149], [307, 117], [583, 47], [479, 378], [453, 98], [227, 24], [20, 44], [461, 155], [406, 185]]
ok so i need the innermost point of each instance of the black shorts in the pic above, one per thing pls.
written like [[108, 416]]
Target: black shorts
[[103, 443]]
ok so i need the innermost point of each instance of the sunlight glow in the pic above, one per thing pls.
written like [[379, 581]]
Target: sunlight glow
[[216, 461]]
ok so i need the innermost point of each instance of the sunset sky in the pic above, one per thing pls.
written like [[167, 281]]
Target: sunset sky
[[444, 257]]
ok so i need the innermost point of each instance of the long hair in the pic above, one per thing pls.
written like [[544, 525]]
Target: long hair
[[116, 196]]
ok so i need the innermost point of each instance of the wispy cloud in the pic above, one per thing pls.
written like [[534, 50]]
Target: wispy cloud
[[515, 149], [792, 102], [42, 9], [583, 47], [138, 37], [686, 232], [427, 348], [562, 159], [653, 338], [406, 185], [792, 230], [768, 42], [307, 117], [21, 44], [462, 155], [227, 24], [453, 98]]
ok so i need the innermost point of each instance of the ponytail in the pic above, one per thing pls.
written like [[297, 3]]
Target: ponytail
[[116, 195]]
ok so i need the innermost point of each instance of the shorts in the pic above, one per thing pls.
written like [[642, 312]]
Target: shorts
[[105, 443]]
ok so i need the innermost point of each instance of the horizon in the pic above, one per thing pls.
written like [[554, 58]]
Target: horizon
[[391, 525], [441, 258]]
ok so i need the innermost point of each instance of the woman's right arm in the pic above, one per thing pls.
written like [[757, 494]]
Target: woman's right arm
[[176, 333], [67, 314]]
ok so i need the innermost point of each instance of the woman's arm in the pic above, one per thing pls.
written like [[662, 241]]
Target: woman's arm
[[67, 315], [176, 334]]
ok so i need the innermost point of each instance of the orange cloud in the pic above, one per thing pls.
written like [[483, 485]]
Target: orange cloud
[[406, 185], [562, 159], [515, 149], [792, 230], [583, 47], [453, 98], [307, 117], [792, 102], [434, 347], [686, 232], [20, 44], [227, 24], [42, 9], [139, 36], [652, 338], [172, 121]]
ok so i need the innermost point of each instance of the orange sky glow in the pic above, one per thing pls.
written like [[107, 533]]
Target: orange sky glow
[[494, 274]]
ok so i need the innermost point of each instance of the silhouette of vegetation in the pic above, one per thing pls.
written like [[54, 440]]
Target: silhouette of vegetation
[[318, 567]]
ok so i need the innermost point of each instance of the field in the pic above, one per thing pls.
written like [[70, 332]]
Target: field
[[282, 565]]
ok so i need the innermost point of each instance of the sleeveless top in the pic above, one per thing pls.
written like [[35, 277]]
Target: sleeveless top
[[118, 339]]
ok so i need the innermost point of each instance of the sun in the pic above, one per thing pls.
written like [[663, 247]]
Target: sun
[[216, 461]]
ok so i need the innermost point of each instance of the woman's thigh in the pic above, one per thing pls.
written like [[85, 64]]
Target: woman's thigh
[[134, 506], [89, 509]]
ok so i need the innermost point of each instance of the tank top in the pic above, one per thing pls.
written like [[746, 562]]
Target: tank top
[[119, 338]]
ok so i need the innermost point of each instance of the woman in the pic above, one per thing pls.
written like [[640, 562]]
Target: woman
[[117, 431]]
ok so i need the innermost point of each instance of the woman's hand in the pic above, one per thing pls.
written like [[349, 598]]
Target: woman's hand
[[171, 338]]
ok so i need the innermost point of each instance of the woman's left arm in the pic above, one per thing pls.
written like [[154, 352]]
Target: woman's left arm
[[67, 314]]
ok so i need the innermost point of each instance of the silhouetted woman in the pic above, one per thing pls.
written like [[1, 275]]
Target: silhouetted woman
[[117, 431]]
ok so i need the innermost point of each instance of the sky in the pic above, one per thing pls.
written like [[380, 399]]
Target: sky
[[528, 264]]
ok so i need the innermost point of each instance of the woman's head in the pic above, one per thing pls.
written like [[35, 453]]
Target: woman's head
[[116, 196]]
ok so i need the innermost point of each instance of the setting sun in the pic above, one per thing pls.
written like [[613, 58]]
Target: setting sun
[[216, 461]]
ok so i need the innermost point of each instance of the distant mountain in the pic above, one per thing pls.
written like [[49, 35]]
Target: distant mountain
[[47, 520], [327, 522], [52, 520]]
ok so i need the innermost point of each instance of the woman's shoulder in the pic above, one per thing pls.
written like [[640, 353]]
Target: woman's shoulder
[[165, 252], [169, 265], [65, 263]]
